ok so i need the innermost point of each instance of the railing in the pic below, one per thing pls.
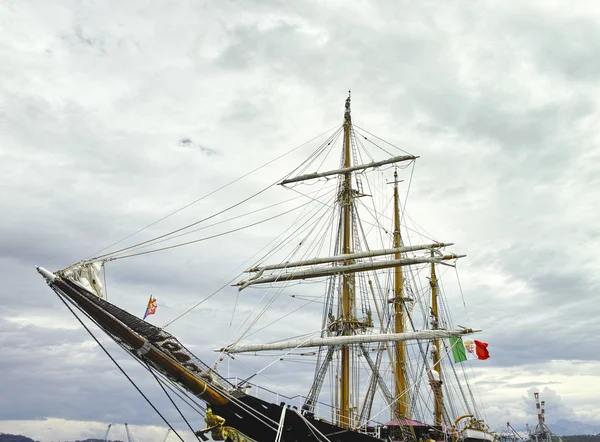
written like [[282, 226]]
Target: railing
[[321, 409]]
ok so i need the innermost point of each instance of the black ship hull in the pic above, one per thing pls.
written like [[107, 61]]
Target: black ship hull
[[255, 418], [245, 417]]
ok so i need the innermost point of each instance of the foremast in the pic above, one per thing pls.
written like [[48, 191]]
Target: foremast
[[346, 197], [402, 404]]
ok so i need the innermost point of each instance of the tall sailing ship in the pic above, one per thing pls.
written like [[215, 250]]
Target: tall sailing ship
[[381, 348]]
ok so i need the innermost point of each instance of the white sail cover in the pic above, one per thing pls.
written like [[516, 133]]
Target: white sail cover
[[87, 276], [342, 269], [346, 340], [348, 256], [373, 164]]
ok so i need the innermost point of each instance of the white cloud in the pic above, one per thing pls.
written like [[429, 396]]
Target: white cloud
[[47, 430], [499, 100]]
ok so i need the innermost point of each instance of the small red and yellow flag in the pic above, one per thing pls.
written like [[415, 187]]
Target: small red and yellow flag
[[151, 308]]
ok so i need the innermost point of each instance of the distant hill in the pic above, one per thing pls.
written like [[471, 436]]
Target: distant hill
[[93, 440], [567, 428], [17, 438], [584, 438], [100, 440], [14, 438]]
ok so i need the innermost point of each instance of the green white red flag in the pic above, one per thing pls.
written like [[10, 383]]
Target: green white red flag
[[468, 349]]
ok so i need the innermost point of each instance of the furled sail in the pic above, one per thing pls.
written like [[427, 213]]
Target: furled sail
[[86, 276], [348, 256], [347, 340], [346, 170], [339, 270]]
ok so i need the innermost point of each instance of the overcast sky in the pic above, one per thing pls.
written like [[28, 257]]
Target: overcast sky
[[113, 114]]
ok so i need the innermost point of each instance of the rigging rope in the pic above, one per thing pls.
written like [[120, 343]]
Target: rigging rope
[[289, 257], [381, 139], [189, 309], [144, 366], [117, 364], [100, 257], [286, 315], [217, 223], [200, 410], [171, 399], [221, 222], [312, 245], [279, 358], [228, 283], [311, 426], [216, 190], [312, 158], [256, 414], [207, 237], [408, 388]]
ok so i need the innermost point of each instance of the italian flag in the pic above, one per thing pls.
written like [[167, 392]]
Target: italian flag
[[469, 349]]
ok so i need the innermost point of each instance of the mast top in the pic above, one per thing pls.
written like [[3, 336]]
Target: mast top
[[396, 180], [347, 111]]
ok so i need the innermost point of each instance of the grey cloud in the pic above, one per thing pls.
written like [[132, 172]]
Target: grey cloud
[[526, 129], [563, 44], [64, 367], [92, 137], [81, 38], [187, 142]]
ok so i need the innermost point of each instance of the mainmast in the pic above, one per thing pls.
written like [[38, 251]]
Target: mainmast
[[402, 397], [347, 279], [435, 378]]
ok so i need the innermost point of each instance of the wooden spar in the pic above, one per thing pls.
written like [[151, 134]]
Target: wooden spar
[[348, 170], [345, 269], [402, 396], [359, 255], [139, 345], [333, 341]]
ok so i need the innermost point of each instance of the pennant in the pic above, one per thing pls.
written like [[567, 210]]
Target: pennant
[[151, 308], [469, 349]]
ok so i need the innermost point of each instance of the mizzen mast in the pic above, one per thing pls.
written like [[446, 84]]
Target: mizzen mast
[[402, 396], [347, 279], [436, 372]]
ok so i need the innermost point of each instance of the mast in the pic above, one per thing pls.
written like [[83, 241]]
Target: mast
[[347, 279], [436, 373], [402, 397]]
